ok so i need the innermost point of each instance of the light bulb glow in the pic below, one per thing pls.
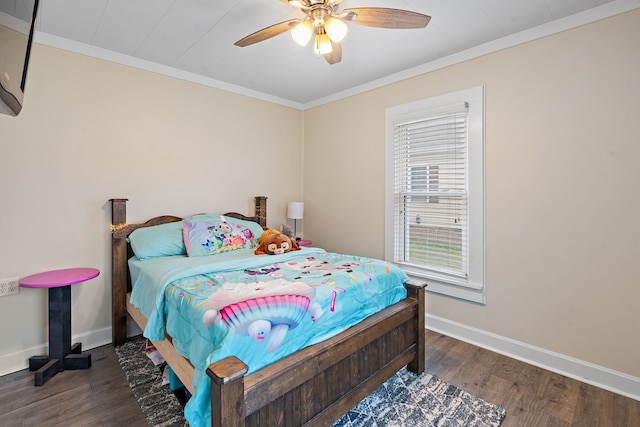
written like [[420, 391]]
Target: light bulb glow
[[322, 44], [336, 29], [302, 32]]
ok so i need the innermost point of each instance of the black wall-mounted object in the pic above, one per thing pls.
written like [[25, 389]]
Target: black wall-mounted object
[[17, 27]]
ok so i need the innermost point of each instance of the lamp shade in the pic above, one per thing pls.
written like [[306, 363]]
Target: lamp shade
[[295, 210], [322, 44], [302, 32], [336, 29]]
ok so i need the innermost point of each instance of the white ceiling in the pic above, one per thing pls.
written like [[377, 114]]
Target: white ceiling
[[194, 39]]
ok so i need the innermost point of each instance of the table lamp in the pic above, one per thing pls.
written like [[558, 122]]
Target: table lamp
[[295, 211]]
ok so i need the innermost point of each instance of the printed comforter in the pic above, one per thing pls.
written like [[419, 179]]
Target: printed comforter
[[257, 308]]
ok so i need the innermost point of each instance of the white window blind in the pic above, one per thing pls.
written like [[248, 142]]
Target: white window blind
[[435, 192], [430, 200]]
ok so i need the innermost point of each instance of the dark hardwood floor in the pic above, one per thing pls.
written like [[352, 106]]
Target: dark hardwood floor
[[531, 396], [100, 396]]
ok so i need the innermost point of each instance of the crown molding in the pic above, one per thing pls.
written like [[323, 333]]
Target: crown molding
[[591, 15], [142, 64]]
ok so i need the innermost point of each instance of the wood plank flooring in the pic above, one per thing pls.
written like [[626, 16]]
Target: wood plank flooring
[[100, 396], [531, 396]]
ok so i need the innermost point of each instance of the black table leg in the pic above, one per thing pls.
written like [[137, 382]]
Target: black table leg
[[61, 355], [59, 324]]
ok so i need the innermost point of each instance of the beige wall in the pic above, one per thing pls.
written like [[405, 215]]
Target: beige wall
[[562, 230], [91, 130]]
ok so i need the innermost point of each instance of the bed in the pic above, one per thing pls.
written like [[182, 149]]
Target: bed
[[312, 385]]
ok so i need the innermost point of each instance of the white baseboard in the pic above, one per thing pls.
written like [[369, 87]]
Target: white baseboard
[[580, 370], [19, 360]]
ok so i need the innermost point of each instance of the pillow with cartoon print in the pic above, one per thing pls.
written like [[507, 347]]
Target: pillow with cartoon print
[[213, 237]]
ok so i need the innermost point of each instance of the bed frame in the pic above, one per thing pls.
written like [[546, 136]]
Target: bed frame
[[312, 387]]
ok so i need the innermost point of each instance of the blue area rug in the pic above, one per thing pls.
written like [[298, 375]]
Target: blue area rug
[[421, 401], [404, 400]]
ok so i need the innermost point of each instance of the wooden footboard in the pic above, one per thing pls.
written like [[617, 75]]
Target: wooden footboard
[[319, 384], [314, 386]]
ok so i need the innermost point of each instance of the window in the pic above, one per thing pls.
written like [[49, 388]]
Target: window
[[435, 192]]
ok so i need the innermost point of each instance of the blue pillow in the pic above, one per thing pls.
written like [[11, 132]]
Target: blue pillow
[[169, 239], [158, 240]]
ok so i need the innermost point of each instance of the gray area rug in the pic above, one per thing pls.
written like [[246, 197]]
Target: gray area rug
[[158, 403], [404, 400]]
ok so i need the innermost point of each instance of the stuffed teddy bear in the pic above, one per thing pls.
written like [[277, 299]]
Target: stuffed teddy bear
[[273, 242]]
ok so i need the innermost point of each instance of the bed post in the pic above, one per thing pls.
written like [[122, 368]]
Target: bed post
[[119, 271], [227, 392], [261, 210], [417, 291]]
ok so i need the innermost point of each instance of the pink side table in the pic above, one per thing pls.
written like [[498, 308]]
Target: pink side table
[[61, 354]]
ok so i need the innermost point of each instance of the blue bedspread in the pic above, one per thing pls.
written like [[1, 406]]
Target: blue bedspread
[[257, 308]]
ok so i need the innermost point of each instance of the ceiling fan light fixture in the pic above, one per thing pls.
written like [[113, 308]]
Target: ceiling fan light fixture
[[302, 32], [322, 44], [336, 29], [328, 26]]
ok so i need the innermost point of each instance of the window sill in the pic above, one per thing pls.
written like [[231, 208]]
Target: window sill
[[468, 292]]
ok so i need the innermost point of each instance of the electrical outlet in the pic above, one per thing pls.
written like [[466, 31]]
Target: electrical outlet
[[9, 286]]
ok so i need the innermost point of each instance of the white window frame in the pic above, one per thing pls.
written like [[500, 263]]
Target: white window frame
[[472, 288]]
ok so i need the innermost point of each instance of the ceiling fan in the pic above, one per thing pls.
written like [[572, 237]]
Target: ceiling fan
[[327, 25]]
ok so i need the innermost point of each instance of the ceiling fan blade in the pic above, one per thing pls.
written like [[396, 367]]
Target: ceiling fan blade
[[335, 55], [386, 18], [267, 33]]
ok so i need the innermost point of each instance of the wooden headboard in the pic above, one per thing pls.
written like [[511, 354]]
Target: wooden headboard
[[121, 252]]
